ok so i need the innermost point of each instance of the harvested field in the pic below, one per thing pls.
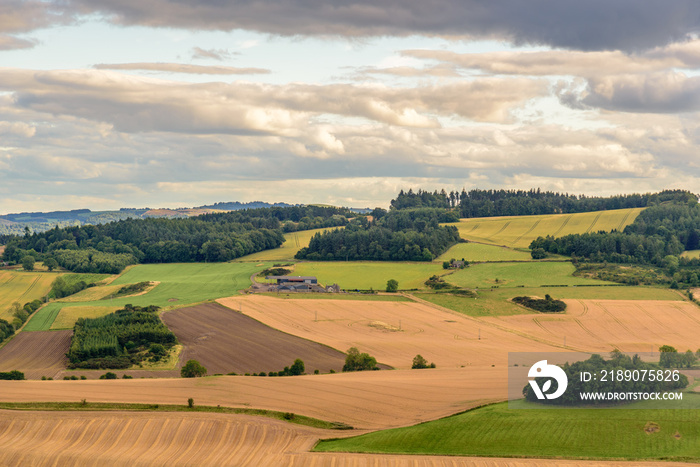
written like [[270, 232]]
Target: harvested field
[[226, 341], [447, 338], [602, 325], [36, 354], [22, 287], [139, 439], [520, 231], [293, 242], [67, 316], [367, 400]]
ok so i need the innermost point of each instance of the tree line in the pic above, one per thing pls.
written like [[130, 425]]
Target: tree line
[[489, 203]]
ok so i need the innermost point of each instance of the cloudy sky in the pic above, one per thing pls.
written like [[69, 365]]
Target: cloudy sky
[[166, 103]]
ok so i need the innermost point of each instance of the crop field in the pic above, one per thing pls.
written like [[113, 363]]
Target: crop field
[[36, 354], [520, 231], [68, 315], [180, 284], [579, 433], [225, 341], [479, 252], [366, 275], [22, 287], [496, 302], [602, 325], [393, 332], [530, 274], [293, 242]]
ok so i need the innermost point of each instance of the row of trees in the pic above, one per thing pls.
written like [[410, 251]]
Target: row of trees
[[487, 203]]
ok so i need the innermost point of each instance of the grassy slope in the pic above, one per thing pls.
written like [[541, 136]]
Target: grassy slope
[[366, 274], [68, 315], [180, 284], [22, 287], [518, 232], [531, 274], [480, 252], [572, 433], [294, 241]]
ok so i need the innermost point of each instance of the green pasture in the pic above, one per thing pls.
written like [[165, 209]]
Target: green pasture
[[528, 274], [479, 252], [520, 231], [294, 241], [497, 431], [180, 284], [691, 254], [369, 274]]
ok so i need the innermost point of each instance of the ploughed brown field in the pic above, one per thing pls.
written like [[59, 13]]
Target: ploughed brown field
[[148, 439], [394, 332], [36, 354], [602, 325], [224, 341]]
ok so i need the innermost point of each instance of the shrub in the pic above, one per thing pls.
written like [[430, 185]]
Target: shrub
[[392, 285], [109, 375], [193, 369], [28, 263], [548, 305], [12, 375], [288, 416], [356, 361], [297, 368], [419, 362], [190, 401]]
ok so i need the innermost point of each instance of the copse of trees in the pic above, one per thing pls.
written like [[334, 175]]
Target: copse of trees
[[395, 236], [356, 361], [545, 305]]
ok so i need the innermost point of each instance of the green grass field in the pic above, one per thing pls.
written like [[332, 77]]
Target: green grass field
[[530, 274], [520, 231], [480, 252], [180, 284], [22, 287], [498, 431], [365, 274], [68, 315], [294, 241]]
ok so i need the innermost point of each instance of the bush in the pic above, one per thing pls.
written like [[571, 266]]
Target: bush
[[288, 416], [538, 253], [28, 263], [356, 361], [109, 375], [548, 305], [297, 368], [12, 375], [193, 369], [392, 285], [190, 401], [419, 362]]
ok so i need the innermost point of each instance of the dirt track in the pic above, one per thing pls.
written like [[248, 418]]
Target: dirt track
[[37, 354], [226, 341]]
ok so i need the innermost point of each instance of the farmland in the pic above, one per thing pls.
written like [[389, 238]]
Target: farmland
[[293, 242], [22, 287], [68, 315], [180, 284], [479, 252], [530, 274], [519, 232], [227, 341], [36, 354], [393, 332], [579, 433], [369, 275]]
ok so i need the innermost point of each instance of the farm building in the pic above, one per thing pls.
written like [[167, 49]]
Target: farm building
[[293, 280]]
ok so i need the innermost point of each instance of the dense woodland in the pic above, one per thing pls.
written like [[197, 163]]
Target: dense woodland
[[489, 203], [397, 235], [108, 248]]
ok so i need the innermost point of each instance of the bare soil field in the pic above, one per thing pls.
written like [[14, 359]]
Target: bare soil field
[[393, 332], [140, 439], [36, 354], [365, 400], [224, 341], [602, 325]]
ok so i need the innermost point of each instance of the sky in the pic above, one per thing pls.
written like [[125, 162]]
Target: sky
[[177, 103]]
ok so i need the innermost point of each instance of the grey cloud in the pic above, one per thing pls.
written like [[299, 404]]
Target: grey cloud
[[572, 24], [182, 68], [213, 54], [14, 43]]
